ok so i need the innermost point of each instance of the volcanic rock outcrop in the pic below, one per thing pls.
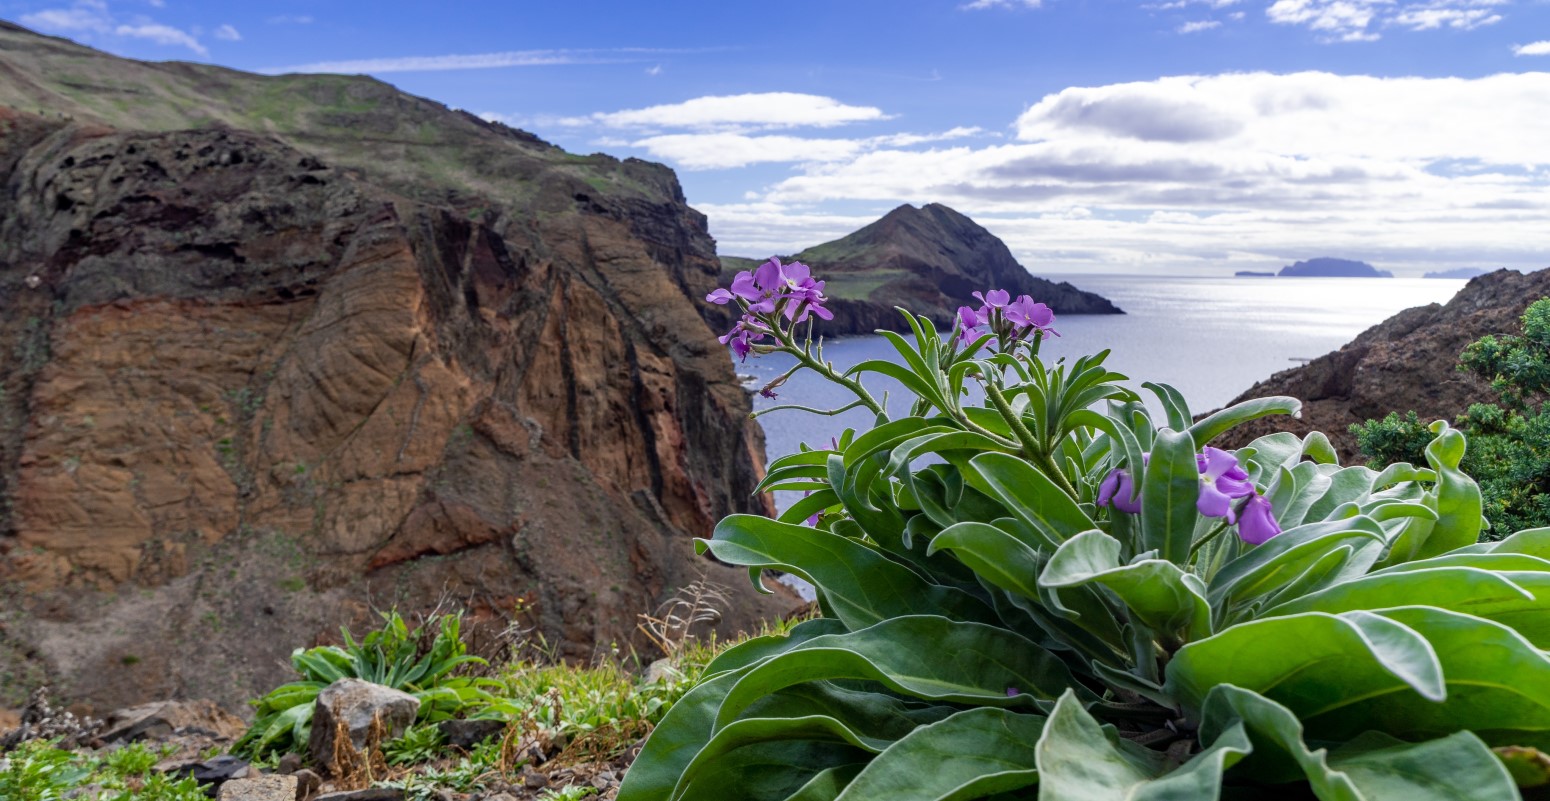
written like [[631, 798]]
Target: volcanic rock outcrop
[[929, 260], [277, 351], [1409, 361]]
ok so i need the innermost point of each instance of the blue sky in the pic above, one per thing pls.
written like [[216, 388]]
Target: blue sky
[[1197, 136]]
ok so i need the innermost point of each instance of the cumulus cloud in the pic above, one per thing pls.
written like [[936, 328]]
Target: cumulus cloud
[[1167, 171], [1344, 20], [163, 35], [763, 110], [228, 33], [1360, 20], [87, 18], [1534, 49]]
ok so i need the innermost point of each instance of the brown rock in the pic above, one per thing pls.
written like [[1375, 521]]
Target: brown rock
[[1406, 362], [267, 373], [259, 788], [307, 784], [159, 720]]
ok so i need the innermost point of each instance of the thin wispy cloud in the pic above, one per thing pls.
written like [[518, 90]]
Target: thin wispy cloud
[[290, 19], [227, 33], [764, 110], [980, 5], [485, 61], [1197, 26], [163, 35], [712, 151]]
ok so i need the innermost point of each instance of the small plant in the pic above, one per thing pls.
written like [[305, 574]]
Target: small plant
[[394, 656], [419, 743], [1034, 586], [575, 792], [38, 770]]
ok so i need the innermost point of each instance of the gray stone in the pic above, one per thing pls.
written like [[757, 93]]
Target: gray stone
[[307, 783], [273, 787], [356, 704], [466, 734]]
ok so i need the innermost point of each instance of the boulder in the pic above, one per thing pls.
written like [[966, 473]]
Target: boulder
[[357, 706], [260, 788], [466, 734], [162, 719]]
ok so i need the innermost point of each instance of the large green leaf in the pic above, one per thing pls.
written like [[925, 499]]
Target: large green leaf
[[684, 730], [1456, 500], [1028, 495], [764, 771], [1169, 489], [1163, 596], [1223, 420], [1079, 760], [923, 656], [1313, 662], [1287, 556], [1455, 768], [861, 586], [1461, 589], [752, 650], [973, 754]]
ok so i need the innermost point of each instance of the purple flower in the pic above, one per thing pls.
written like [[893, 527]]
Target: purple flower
[[1013, 692], [994, 299], [1119, 489], [1220, 483], [1030, 316], [720, 297], [1257, 525], [969, 324], [762, 288], [769, 393], [742, 336]]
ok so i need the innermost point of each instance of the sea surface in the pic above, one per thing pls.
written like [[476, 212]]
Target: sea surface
[[1212, 338]]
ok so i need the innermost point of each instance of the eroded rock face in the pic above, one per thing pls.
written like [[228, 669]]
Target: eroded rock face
[[247, 395], [1406, 362]]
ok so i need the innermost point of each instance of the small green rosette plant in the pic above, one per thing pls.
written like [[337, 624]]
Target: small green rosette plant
[[1034, 587]]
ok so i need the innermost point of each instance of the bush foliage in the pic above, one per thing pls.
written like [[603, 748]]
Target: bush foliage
[[1056, 593]]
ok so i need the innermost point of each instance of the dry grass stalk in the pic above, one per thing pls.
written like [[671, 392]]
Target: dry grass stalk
[[671, 626], [355, 769]]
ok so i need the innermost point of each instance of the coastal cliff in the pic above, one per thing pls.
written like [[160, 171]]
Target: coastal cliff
[[930, 260], [283, 350], [1408, 361]]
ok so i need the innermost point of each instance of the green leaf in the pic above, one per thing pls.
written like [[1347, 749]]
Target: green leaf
[[750, 651], [688, 725], [920, 656], [1079, 760], [1174, 406], [1028, 495], [1162, 595], [1456, 500], [1339, 660], [1455, 768], [1289, 554], [861, 586], [994, 554], [973, 754], [769, 771], [1223, 420], [1169, 489], [1461, 589]]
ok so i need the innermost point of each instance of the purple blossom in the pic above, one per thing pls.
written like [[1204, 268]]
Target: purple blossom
[[769, 393], [720, 297], [1030, 316], [742, 336], [1257, 525], [1220, 483], [994, 299], [1119, 489], [970, 324], [1013, 692]]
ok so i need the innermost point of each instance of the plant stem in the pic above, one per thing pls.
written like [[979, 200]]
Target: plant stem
[[1031, 446], [1216, 532], [828, 372]]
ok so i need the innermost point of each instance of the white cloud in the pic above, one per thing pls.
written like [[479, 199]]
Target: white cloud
[[474, 61], [722, 150], [290, 19], [1424, 19], [162, 35], [1199, 25], [1343, 20], [1219, 170], [1358, 20], [228, 33], [82, 17], [767, 110], [1533, 49], [979, 5], [654, 71]]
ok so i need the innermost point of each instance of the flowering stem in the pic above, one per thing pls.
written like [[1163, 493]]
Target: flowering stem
[[1030, 443], [806, 359], [1200, 543]]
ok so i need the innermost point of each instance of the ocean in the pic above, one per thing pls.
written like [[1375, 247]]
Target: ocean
[[1212, 338]]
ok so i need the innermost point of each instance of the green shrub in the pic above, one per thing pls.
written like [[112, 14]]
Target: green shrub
[[1054, 594], [1509, 451], [394, 656], [39, 771]]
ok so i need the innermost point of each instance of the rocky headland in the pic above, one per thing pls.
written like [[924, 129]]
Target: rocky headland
[[930, 260], [1408, 361], [282, 350]]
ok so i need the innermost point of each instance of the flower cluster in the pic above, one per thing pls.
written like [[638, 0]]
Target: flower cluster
[[767, 294], [1222, 481], [1000, 315]]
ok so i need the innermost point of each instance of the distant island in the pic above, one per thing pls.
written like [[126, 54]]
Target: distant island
[[1459, 272], [1254, 274], [1333, 268]]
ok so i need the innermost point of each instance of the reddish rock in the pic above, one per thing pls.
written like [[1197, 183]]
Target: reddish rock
[[270, 380], [1406, 362]]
